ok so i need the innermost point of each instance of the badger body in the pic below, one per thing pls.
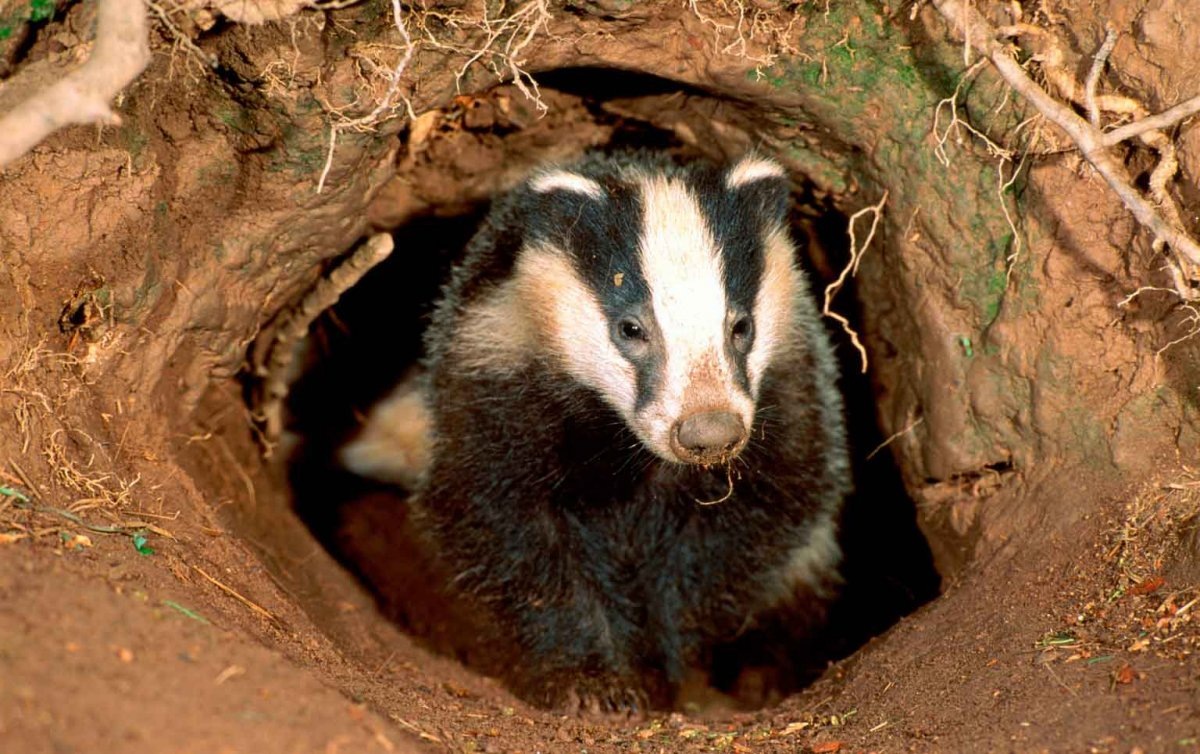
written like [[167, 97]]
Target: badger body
[[638, 449]]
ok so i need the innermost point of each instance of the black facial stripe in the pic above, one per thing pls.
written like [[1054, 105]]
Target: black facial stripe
[[737, 360], [737, 227], [602, 238], [649, 372], [738, 220]]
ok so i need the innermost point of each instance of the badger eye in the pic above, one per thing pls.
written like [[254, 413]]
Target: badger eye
[[629, 329], [741, 332]]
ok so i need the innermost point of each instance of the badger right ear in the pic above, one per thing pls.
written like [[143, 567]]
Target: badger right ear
[[763, 182], [564, 180]]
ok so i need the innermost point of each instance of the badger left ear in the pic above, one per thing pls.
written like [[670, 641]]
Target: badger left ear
[[762, 182]]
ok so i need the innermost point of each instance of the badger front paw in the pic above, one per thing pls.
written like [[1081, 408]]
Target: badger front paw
[[612, 697], [597, 698]]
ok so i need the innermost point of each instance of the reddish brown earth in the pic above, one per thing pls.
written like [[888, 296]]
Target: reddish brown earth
[[1047, 438]]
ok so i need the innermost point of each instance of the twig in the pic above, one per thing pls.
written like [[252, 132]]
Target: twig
[[851, 269], [980, 34], [1093, 77], [1058, 680], [895, 436], [37, 491], [126, 528], [119, 54], [384, 104], [232, 593], [274, 353], [1165, 119]]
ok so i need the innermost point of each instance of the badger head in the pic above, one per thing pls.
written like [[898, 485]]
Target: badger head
[[666, 290]]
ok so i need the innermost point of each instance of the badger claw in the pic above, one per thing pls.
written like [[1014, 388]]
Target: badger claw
[[609, 697], [597, 700]]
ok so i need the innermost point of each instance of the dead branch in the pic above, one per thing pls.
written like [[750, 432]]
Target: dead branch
[[120, 52], [982, 37], [274, 353], [1165, 119], [1093, 77]]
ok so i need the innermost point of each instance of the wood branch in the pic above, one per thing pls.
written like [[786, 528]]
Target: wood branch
[[1093, 77], [1165, 119], [982, 37], [120, 52]]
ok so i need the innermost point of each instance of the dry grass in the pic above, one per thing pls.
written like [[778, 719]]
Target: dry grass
[[1146, 601], [62, 474]]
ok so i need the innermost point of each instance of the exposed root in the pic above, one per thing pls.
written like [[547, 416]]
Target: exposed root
[[273, 354], [181, 40], [954, 128], [851, 269], [950, 105], [384, 108], [753, 34], [1093, 77], [505, 39], [1158, 213], [119, 54]]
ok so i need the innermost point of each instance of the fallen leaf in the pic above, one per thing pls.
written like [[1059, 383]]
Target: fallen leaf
[[1148, 585], [76, 541], [826, 747], [1125, 674]]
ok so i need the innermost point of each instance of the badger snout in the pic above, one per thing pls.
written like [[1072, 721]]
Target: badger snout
[[708, 437]]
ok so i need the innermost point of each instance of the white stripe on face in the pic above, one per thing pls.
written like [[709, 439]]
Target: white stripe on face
[[568, 312], [773, 305], [683, 270]]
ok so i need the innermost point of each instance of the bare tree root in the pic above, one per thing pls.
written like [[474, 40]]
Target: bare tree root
[[274, 354], [981, 36], [386, 103], [505, 40], [756, 35], [121, 52], [851, 269]]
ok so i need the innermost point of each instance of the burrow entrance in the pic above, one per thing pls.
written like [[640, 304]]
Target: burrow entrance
[[370, 342]]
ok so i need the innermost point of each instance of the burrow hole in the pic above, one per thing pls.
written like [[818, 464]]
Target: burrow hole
[[370, 341]]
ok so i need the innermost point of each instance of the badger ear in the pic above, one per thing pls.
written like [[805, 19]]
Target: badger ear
[[764, 183], [556, 180]]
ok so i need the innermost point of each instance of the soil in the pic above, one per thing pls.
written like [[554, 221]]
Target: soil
[[167, 586]]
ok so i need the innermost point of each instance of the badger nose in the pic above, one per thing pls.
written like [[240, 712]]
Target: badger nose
[[708, 437]]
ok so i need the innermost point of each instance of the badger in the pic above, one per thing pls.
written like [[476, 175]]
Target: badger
[[637, 444]]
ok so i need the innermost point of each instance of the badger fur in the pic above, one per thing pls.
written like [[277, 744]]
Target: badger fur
[[638, 450]]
